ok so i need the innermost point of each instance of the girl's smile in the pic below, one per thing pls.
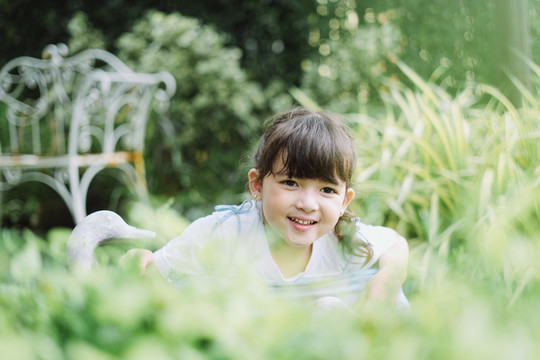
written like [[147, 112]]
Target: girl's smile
[[302, 225]]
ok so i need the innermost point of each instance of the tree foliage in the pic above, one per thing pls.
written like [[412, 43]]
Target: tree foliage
[[213, 117], [451, 43]]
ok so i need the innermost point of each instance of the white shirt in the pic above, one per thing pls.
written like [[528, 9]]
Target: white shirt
[[233, 239]]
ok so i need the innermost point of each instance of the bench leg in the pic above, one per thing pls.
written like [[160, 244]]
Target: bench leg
[[138, 162]]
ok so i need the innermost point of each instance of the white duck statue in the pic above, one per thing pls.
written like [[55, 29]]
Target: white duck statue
[[94, 230]]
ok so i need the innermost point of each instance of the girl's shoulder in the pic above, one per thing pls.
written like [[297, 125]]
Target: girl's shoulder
[[380, 238], [374, 233]]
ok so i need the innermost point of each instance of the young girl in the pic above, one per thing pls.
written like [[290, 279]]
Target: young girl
[[296, 233]]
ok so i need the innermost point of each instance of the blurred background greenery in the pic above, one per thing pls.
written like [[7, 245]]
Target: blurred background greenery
[[444, 99], [237, 62]]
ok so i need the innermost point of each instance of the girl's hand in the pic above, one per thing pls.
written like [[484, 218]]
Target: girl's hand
[[385, 286], [143, 257]]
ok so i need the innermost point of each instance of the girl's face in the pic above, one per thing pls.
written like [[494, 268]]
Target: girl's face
[[299, 211]]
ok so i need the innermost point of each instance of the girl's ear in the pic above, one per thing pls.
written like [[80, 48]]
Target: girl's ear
[[255, 184], [349, 195]]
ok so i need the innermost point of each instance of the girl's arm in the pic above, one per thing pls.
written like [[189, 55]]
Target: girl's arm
[[385, 286]]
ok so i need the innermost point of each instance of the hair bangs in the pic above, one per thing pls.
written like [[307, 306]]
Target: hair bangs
[[309, 162], [307, 145]]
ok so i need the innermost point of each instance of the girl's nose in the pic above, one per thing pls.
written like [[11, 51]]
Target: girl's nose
[[307, 201]]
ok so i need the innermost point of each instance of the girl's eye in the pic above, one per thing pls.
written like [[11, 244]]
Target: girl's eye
[[328, 190], [289, 182]]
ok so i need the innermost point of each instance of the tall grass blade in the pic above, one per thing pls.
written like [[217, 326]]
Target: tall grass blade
[[304, 99]]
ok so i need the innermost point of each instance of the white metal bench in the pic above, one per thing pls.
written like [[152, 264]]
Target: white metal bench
[[64, 119]]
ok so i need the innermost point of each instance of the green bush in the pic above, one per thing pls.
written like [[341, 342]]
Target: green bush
[[194, 154], [349, 71], [453, 43]]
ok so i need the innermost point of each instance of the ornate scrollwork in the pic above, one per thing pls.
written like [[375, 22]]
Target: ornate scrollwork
[[163, 101], [5, 83], [12, 175], [86, 104], [85, 139], [61, 175]]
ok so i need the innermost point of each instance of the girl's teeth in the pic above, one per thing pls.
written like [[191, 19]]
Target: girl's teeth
[[302, 222]]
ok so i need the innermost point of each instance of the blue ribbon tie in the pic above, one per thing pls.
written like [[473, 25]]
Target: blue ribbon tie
[[231, 210]]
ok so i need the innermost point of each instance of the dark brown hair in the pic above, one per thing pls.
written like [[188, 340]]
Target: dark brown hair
[[313, 145]]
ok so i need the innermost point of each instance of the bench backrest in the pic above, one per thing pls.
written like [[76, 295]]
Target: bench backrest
[[88, 103], [63, 116]]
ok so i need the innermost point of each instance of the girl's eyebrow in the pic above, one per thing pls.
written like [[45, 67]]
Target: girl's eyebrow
[[333, 182], [282, 174]]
